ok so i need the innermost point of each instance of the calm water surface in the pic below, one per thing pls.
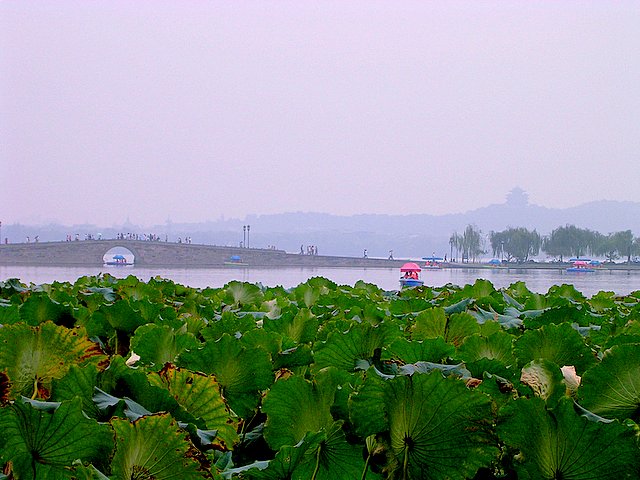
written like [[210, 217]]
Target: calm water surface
[[539, 281]]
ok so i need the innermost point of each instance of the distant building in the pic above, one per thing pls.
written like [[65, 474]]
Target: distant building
[[517, 198]]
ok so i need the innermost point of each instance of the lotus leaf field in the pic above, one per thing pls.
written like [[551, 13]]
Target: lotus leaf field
[[112, 378]]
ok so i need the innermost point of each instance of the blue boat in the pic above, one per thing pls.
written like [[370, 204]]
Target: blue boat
[[236, 260], [118, 261]]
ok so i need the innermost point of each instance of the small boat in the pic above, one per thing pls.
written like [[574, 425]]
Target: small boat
[[411, 277], [118, 261], [236, 260], [433, 263], [581, 266]]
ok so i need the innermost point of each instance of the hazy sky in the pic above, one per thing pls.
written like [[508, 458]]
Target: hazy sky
[[191, 110]]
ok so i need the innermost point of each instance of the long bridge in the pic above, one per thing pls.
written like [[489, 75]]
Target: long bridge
[[167, 254]]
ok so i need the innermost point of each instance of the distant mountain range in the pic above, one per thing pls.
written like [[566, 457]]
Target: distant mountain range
[[409, 236]]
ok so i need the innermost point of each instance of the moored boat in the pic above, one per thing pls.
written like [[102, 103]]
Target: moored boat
[[581, 266], [433, 263], [236, 260], [118, 261]]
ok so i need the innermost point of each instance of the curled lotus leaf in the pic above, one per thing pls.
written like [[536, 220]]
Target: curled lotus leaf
[[612, 388], [295, 407], [430, 323], [43, 439], [562, 443], [200, 395], [39, 308], [560, 344], [33, 356], [345, 349], [437, 428], [242, 293], [545, 379], [153, 447], [243, 373], [157, 345], [300, 327], [429, 350]]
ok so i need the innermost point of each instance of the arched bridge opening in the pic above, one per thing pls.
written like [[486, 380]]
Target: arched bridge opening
[[118, 256]]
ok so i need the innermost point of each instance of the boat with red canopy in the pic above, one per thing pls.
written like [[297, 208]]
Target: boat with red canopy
[[411, 275]]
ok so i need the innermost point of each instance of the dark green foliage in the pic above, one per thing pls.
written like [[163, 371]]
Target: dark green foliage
[[321, 382]]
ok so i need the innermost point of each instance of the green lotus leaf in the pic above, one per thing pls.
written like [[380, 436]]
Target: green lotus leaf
[[283, 466], [438, 428], [612, 388], [429, 350], [560, 443], [307, 295], [33, 356], [153, 447], [258, 338], [12, 286], [405, 303], [152, 312], [243, 373], [301, 327], [603, 301], [518, 289], [510, 319], [44, 443], [497, 346], [241, 293], [107, 293], [458, 307], [558, 315], [560, 344], [294, 407], [480, 289], [478, 368], [39, 308], [367, 406], [361, 342], [231, 323], [134, 395], [117, 316], [431, 323], [568, 292], [459, 327], [157, 345], [294, 357], [200, 395], [458, 370], [132, 288], [78, 382], [9, 314], [333, 458]]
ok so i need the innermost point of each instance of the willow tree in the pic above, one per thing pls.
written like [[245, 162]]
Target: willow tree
[[469, 243], [570, 240], [516, 243]]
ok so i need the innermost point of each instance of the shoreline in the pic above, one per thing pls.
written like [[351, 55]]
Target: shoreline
[[194, 256]]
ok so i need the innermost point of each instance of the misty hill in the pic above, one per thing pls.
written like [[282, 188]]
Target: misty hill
[[411, 236]]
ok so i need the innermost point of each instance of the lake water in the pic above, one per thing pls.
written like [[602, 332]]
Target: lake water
[[539, 281]]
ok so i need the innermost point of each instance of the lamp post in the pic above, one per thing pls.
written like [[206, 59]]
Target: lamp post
[[244, 235], [501, 251], [248, 228]]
